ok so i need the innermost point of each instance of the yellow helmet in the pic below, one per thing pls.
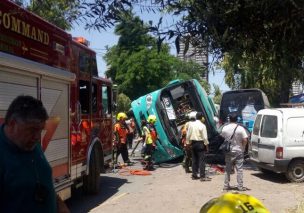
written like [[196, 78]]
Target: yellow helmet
[[234, 203], [151, 119], [121, 115]]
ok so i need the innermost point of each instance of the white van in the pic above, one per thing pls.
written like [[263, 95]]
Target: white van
[[277, 142]]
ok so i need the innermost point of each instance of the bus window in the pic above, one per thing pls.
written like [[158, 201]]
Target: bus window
[[84, 96], [105, 97]]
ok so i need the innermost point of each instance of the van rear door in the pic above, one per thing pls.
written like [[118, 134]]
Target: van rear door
[[294, 137], [266, 137]]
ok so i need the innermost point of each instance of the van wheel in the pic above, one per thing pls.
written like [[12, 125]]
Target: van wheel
[[91, 183], [295, 172]]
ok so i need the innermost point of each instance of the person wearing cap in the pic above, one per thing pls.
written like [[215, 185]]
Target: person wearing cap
[[198, 138], [234, 203], [236, 155], [120, 132]]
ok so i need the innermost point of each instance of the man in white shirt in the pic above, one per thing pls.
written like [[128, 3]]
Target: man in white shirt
[[236, 155], [198, 138]]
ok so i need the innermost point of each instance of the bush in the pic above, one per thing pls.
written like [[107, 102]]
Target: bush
[[123, 103]]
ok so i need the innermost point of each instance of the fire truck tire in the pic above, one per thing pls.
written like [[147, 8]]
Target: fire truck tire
[[91, 183]]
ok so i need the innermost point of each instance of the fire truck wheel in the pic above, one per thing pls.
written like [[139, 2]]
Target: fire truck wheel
[[91, 183]]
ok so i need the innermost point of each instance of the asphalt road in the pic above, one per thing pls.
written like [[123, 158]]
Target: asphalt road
[[170, 189]]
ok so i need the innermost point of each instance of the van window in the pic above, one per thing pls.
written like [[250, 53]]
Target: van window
[[257, 123], [269, 128]]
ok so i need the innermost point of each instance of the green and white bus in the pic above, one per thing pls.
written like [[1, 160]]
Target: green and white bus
[[171, 105]]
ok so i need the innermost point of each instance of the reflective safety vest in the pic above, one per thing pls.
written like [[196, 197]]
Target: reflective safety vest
[[121, 131], [184, 133], [153, 134], [148, 136]]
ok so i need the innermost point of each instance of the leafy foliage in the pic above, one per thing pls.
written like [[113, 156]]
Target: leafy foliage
[[265, 35], [206, 86], [123, 103], [138, 65], [217, 94], [62, 13]]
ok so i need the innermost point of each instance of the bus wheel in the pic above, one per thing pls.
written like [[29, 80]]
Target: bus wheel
[[91, 183], [295, 172]]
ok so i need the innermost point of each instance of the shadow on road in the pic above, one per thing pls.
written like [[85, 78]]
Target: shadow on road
[[80, 202], [272, 177]]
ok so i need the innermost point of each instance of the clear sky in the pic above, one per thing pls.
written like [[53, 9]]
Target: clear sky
[[99, 40]]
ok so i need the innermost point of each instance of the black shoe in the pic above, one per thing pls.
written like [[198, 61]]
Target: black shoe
[[206, 179], [129, 163], [226, 188], [194, 177], [242, 189], [187, 171]]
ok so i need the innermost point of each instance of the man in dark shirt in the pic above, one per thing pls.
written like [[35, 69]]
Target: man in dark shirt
[[26, 183]]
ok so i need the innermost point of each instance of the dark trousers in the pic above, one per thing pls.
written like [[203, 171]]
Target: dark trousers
[[130, 140], [187, 158], [198, 158], [123, 150], [148, 156]]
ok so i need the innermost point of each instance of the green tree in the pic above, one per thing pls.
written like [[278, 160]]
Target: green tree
[[62, 13], [138, 65], [123, 103], [217, 94], [264, 33], [206, 86]]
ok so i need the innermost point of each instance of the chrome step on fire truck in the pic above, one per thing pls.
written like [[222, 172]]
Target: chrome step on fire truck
[[41, 60]]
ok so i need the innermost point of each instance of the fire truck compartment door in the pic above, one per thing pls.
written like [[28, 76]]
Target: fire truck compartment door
[[55, 140], [14, 84]]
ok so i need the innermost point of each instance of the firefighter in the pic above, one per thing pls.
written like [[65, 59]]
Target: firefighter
[[150, 141], [187, 161], [121, 131]]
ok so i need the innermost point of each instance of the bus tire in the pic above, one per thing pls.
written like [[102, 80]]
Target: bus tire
[[295, 171], [91, 183]]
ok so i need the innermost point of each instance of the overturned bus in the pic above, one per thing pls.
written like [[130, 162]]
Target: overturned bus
[[171, 105]]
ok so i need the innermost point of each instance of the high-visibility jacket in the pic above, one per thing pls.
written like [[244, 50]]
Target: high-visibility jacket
[[184, 133], [148, 136], [153, 133], [121, 131]]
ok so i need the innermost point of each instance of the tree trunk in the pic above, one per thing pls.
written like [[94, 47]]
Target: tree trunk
[[285, 85]]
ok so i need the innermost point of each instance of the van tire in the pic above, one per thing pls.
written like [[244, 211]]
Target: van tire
[[91, 183], [295, 171]]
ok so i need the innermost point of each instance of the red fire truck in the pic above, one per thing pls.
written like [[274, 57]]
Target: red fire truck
[[39, 59]]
